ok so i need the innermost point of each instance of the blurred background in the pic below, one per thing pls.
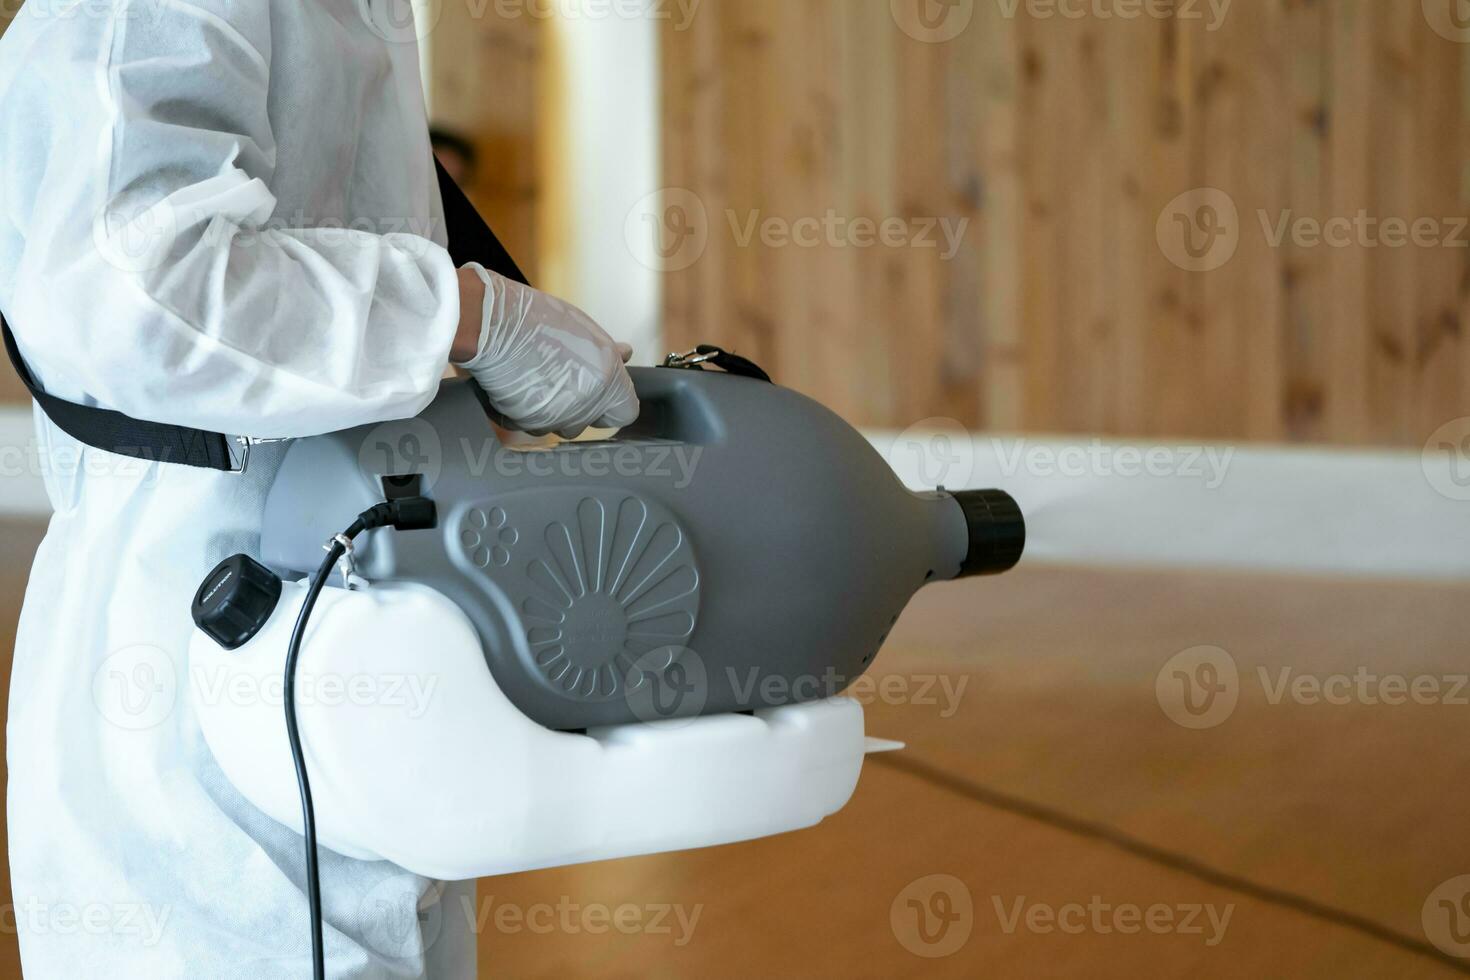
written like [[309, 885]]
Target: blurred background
[[1190, 279]]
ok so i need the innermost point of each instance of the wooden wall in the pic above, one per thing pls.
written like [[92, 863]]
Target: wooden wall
[[485, 75], [1063, 141]]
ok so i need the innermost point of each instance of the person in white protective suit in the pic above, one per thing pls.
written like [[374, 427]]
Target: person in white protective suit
[[221, 214]]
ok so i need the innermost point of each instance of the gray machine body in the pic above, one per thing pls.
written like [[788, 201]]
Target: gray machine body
[[739, 548]]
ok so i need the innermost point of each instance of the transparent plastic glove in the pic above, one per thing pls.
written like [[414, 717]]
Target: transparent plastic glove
[[546, 365]]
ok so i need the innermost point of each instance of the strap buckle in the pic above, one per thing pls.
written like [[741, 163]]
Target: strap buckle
[[245, 442], [730, 363], [702, 355]]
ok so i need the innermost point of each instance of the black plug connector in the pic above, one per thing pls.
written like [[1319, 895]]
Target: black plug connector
[[408, 514], [416, 514]]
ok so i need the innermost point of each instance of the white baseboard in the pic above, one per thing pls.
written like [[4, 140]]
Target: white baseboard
[[1290, 509], [1089, 502]]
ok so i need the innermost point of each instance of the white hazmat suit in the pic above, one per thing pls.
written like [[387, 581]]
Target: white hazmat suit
[[221, 214]]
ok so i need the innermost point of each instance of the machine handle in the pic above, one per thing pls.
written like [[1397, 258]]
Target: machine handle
[[672, 407]]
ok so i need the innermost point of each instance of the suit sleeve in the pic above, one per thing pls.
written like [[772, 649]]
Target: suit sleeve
[[154, 279]]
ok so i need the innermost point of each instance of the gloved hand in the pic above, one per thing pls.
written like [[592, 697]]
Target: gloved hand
[[546, 365]]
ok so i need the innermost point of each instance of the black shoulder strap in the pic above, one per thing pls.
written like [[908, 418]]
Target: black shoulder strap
[[470, 240], [117, 433]]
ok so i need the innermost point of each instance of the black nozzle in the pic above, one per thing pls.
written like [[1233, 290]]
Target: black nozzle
[[997, 532]]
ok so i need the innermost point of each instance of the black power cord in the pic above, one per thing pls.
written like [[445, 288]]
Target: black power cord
[[411, 514]]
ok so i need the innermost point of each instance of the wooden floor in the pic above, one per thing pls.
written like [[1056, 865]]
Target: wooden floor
[[1044, 784]]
